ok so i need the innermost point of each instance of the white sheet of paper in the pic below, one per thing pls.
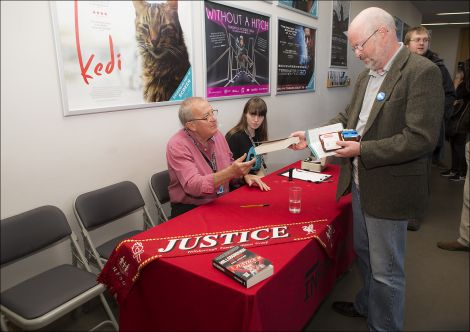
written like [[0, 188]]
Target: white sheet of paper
[[301, 174]]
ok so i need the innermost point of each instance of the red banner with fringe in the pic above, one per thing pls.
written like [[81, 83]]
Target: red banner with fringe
[[132, 255]]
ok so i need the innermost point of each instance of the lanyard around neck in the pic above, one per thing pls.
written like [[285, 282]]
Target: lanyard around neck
[[254, 146], [213, 162], [251, 139]]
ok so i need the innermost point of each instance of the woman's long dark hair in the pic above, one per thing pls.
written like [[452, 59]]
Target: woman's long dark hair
[[254, 106]]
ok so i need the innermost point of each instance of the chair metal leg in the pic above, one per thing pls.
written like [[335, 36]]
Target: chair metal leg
[[3, 323], [109, 312]]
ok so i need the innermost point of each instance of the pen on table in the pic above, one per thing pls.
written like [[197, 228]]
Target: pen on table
[[254, 205]]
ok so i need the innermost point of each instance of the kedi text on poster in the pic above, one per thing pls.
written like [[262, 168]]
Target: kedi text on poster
[[99, 66]]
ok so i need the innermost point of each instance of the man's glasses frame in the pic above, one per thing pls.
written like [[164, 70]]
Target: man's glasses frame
[[419, 40], [360, 48], [211, 115]]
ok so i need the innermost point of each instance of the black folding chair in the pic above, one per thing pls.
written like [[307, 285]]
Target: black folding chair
[[45, 297], [103, 206], [159, 187]]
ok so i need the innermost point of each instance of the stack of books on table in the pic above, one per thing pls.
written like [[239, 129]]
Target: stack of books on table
[[243, 265]]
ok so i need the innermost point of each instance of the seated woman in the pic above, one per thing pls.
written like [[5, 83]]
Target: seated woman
[[251, 129]]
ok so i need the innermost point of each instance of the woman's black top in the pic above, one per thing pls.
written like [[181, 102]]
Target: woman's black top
[[240, 143]]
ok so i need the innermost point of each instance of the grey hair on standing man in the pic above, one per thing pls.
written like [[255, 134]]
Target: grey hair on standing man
[[396, 107]]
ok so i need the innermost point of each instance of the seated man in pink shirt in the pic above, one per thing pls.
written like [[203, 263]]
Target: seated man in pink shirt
[[199, 160]]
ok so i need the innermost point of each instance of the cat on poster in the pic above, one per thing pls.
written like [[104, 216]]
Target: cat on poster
[[110, 58]]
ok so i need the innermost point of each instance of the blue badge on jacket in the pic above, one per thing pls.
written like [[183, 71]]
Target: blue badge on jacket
[[381, 96]]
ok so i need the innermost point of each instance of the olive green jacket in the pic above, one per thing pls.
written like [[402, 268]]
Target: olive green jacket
[[399, 136]]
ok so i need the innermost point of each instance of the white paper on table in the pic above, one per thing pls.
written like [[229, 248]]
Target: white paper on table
[[309, 176]]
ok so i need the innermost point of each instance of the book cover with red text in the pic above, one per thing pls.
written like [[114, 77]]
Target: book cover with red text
[[243, 265]]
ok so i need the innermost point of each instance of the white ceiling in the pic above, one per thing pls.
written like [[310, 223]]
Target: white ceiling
[[429, 8]]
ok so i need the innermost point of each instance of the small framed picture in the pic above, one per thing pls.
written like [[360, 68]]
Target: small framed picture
[[306, 7]]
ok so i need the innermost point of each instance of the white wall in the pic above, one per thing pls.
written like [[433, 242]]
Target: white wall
[[47, 158], [444, 42]]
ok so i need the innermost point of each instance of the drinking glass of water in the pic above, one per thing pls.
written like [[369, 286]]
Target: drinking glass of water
[[295, 199]]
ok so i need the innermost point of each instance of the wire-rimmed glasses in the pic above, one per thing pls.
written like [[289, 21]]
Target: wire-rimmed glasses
[[212, 115], [360, 48]]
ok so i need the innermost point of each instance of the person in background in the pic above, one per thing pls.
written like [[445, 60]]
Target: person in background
[[397, 108], [462, 243], [457, 140], [199, 160], [462, 83], [417, 40], [251, 129]]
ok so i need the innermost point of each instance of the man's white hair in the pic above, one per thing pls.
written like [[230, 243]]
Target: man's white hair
[[185, 112], [372, 18]]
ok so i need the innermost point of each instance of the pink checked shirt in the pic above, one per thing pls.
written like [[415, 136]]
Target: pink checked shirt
[[191, 177]]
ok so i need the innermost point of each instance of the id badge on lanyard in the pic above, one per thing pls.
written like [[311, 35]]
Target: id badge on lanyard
[[213, 164]]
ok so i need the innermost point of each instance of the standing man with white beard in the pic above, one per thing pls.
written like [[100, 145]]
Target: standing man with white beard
[[396, 107]]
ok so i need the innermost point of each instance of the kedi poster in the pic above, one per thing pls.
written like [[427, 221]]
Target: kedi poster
[[115, 55]]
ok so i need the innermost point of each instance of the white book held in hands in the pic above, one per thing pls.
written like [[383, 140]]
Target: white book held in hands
[[322, 141]]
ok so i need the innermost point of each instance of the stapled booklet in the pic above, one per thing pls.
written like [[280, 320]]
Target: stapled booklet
[[243, 265]]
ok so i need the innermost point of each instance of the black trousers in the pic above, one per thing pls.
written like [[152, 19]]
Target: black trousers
[[180, 208], [457, 145]]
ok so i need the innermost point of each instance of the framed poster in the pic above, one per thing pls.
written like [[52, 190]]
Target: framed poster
[[337, 79], [296, 57], [399, 27], [237, 52], [110, 60], [307, 7], [339, 29]]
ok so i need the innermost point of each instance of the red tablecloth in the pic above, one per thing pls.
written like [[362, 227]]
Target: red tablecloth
[[187, 293]]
